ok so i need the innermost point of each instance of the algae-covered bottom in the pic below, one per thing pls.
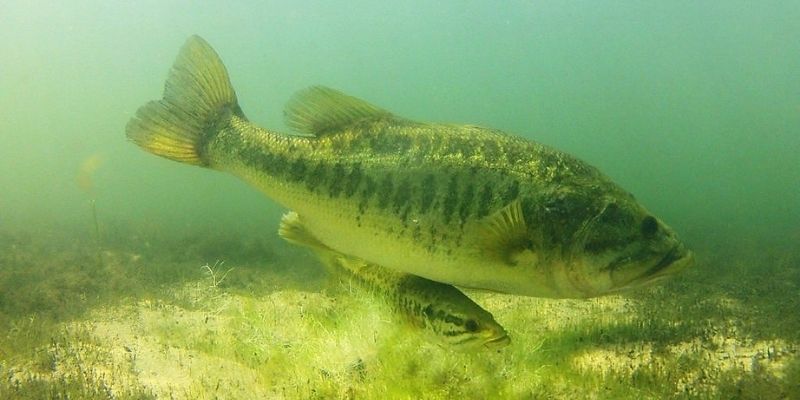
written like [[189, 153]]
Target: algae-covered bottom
[[150, 321]]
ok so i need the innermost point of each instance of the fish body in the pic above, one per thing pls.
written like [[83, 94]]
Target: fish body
[[456, 204], [444, 313]]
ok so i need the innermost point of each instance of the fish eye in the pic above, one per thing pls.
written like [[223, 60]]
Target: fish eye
[[649, 226], [471, 325]]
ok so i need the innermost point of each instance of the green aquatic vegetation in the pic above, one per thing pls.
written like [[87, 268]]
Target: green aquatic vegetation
[[153, 328], [85, 181], [215, 273]]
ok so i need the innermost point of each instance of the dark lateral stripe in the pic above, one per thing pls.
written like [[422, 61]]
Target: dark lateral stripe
[[353, 180], [452, 319], [450, 198], [402, 196], [297, 169], [511, 192], [336, 180], [316, 176], [427, 192], [366, 193], [270, 163], [385, 190], [467, 200], [484, 200], [529, 210]]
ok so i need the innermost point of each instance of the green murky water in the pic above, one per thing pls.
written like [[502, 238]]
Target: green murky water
[[691, 106]]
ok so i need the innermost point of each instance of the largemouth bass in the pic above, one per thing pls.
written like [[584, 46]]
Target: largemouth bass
[[444, 313], [457, 204]]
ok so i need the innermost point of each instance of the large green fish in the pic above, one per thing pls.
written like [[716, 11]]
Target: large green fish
[[456, 204]]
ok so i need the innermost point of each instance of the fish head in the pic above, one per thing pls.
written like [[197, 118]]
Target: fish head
[[463, 325], [476, 334], [610, 243]]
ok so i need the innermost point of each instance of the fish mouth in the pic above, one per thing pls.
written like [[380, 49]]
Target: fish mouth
[[497, 342], [677, 259]]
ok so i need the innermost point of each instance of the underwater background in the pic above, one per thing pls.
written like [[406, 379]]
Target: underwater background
[[181, 287]]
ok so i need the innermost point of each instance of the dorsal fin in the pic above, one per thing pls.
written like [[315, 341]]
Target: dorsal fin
[[319, 110]]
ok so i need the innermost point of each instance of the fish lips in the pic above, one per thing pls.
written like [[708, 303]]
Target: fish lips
[[498, 342], [675, 260]]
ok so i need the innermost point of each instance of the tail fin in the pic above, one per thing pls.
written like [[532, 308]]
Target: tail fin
[[198, 99]]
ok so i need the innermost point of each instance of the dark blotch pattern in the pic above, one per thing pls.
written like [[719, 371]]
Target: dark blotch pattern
[[484, 200], [385, 190], [427, 193], [467, 198], [529, 211], [316, 177], [337, 180], [452, 319], [450, 199], [511, 193], [353, 180], [366, 194], [402, 195], [297, 170], [273, 164]]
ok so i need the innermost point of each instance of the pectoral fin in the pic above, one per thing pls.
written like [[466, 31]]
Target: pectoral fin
[[504, 235]]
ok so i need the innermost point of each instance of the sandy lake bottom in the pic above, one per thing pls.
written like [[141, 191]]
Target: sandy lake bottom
[[165, 319]]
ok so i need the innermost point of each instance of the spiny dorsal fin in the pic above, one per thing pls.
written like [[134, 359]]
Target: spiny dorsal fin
[[319, 110], [504, 233]]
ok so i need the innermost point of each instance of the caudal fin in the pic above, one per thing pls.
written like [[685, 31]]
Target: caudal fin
[[198, 100]]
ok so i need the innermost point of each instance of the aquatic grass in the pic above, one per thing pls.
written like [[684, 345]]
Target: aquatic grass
[[85, 180], [57, 279], [69, 367], [215, 274], [154, 327]]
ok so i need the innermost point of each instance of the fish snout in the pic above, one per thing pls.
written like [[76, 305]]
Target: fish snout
[[498, 342]]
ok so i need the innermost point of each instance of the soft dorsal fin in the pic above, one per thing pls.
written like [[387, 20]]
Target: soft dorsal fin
[[319, 110], [504, 233]]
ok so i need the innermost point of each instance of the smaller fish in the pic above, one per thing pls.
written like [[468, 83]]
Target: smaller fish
[[442, 311], [85, 175]]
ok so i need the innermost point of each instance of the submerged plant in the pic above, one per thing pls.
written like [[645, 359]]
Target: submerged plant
[[214, 274], [85, 182]]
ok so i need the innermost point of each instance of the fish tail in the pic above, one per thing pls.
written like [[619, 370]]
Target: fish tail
[[198, 101]]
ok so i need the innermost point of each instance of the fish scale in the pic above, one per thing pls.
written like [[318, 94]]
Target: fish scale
[[440, 189]]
